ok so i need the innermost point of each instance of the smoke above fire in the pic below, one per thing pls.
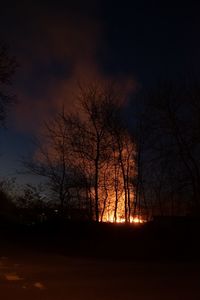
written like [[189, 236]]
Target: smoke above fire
[[55, 50]]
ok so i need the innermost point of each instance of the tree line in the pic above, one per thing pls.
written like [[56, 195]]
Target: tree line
[[97, 161], [88, 156], [104, 164], [169, 147]]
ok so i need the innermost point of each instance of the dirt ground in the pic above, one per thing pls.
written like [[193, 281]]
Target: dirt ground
[[27, 276]]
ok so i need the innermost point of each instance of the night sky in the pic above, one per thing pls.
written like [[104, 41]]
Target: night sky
[[55, 44]]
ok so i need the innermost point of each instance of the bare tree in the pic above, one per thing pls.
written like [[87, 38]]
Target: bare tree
[[88, 157], [52, 159], [8, 67], [171, 122], [90, 138]]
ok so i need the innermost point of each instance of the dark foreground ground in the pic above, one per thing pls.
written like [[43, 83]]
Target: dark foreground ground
[[84, 261], [55, 277]]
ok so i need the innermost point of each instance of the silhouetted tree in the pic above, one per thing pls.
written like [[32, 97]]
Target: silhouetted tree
[[171, 168], [7, 199], [124, 161], [88, 157], [7, 69], [52, 160], [103, 143]]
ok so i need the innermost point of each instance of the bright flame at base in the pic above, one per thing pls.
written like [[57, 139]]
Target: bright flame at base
[[136, 220]]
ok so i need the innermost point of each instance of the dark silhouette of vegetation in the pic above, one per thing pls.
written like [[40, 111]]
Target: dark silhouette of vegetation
[[169, 148], [105, 171], [8, 67], [97, 169], [88, 156], [7, 206]]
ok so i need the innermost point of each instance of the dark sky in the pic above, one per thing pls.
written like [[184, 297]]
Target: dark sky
[[57, 43]]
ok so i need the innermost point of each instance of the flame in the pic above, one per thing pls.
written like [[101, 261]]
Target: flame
[[109, 213], [135, 220]]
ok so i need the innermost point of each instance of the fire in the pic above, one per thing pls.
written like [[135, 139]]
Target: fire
[[135, 220], [113, 215]]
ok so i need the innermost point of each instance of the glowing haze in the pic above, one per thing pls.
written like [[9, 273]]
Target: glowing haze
[[54, 52]]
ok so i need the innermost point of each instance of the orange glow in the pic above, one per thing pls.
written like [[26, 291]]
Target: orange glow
[[136, 220]]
